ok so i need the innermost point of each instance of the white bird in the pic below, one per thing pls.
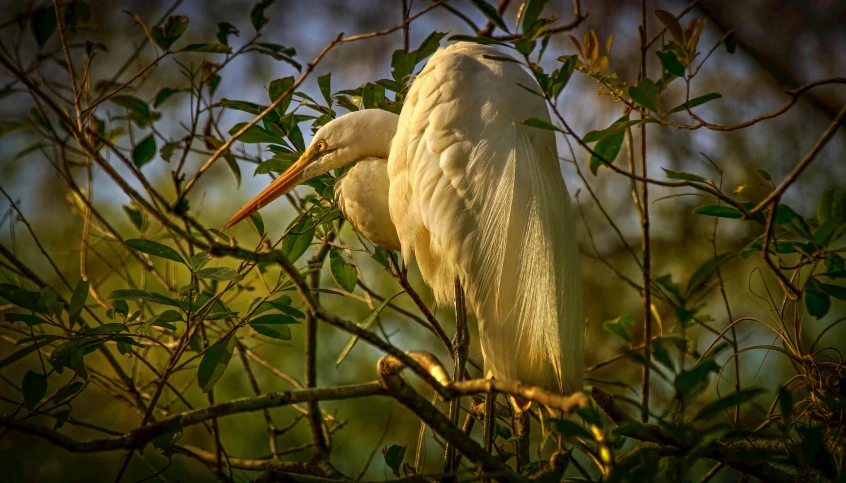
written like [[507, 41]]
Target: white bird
[[456, 182]]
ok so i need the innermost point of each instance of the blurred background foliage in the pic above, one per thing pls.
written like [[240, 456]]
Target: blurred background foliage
[[780, 45]]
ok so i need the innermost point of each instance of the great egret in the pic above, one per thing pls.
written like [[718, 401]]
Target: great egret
[[476, 197]]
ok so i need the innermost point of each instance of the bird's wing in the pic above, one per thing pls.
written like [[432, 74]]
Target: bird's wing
[[478, 196]]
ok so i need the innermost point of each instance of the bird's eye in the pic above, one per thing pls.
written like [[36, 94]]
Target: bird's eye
[[321, 145]]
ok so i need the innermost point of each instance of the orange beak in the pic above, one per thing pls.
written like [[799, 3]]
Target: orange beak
[[281, 185]]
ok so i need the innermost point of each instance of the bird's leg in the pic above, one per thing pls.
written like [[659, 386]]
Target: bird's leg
[[460, 351], [522, 430], [490, 410]]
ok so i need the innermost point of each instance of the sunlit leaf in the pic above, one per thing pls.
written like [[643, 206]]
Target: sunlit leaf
[[345, 274]]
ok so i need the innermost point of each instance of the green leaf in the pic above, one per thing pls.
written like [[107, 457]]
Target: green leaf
[[717, 407], [364, 324], [785, 403], [325, 84], [144, 151], [620, 125], [531, 13], [162, 319], [380, 255], [29, 320], [173, 28], [214, 363], [199, 260], [256, 223], [622, 327], [835, 291], [608, 147], [701, 275], [569, 429], [345, 274], [814, 452], [67, 392], [429, 45], [685, 176], [393, 458], [163, 94], [476, 40], [299, 239], [279, 163], [490, 12], [817, 302], [43, 24], [207, 48], [51, 300], [77, 301], [257, 14], [139, 111], [669, 20], [274, 325], [692, 382], [524, 46], [154, 248], [719, 211], [671, 63], [112, 328], [61, 418], [278, 52], [166, 152], [255, 134], [249, 107], [17, 355], [539, 123], [33, 387], [23, 298], [832, 206], [500, 58], [224, 30], [563, 74], [219, 273], [10, 125], [279, 87], [697, 101], [645, 94]]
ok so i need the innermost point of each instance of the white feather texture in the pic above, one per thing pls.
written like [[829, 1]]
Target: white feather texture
[[477, 196]]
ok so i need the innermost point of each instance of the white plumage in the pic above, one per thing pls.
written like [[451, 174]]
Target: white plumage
[[474, 195]]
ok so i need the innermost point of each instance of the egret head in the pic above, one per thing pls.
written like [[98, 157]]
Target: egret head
[[340, 142]]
